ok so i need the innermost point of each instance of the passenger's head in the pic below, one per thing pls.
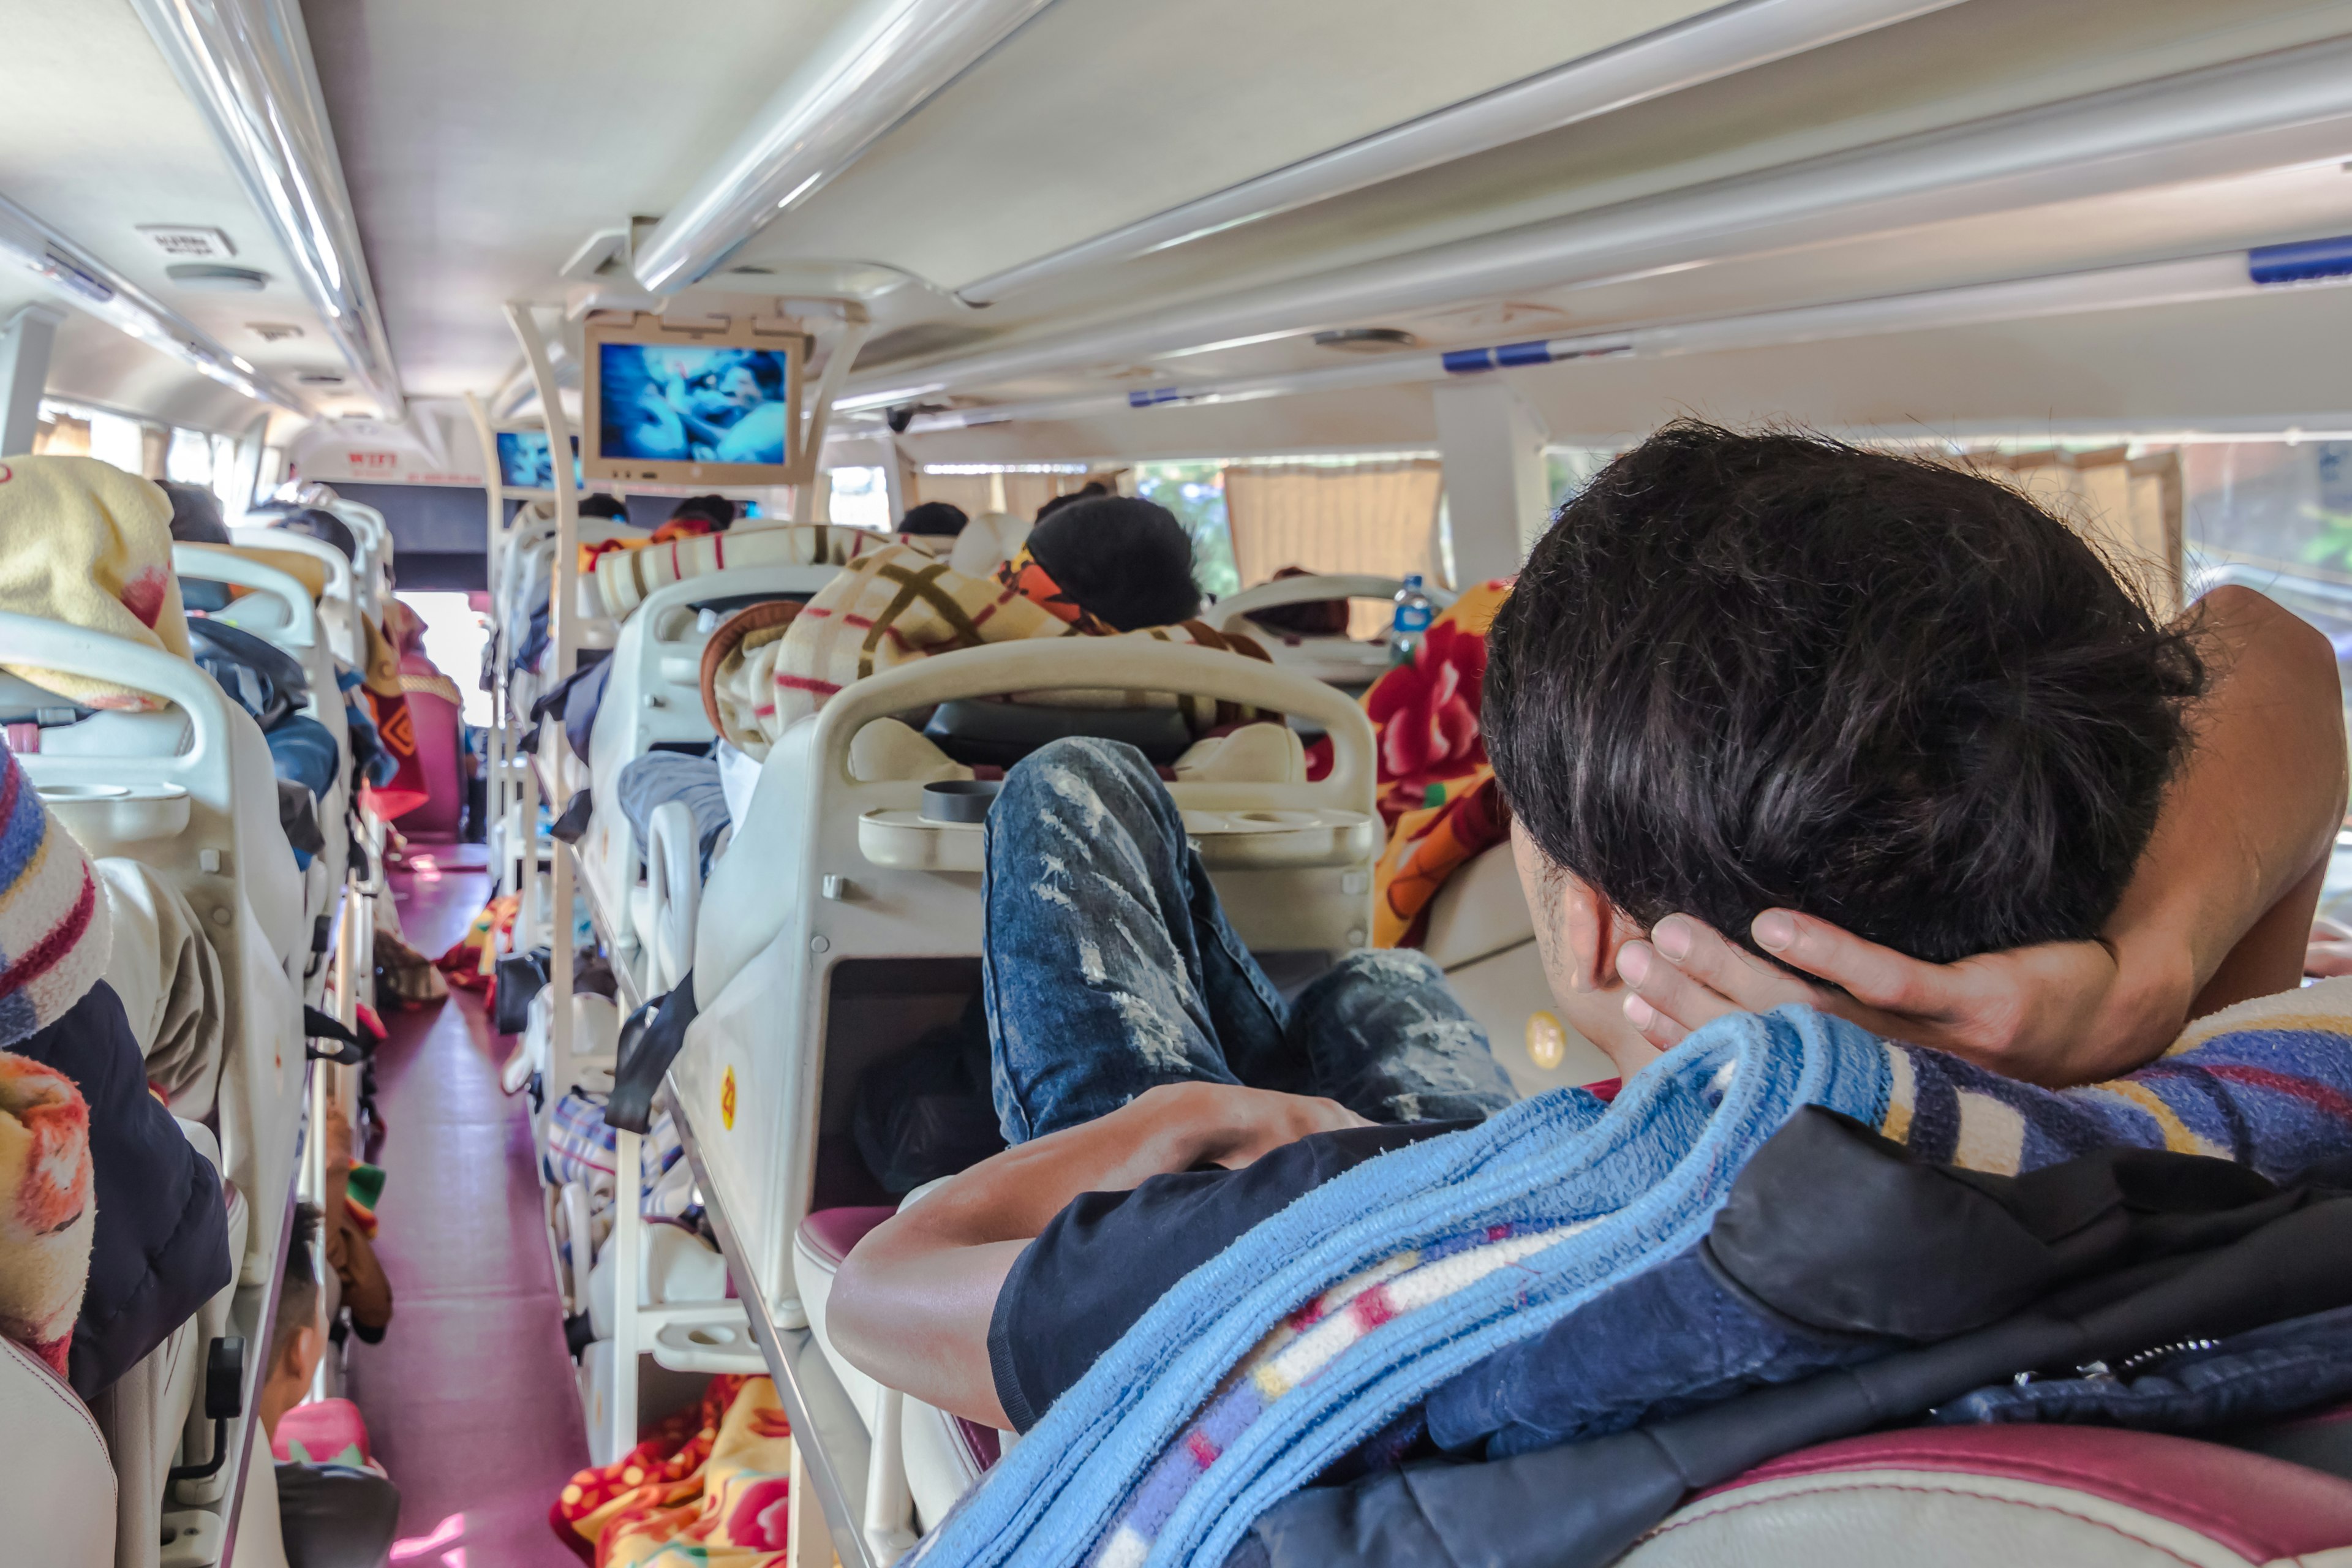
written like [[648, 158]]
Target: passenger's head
[[298, 1338], [1127, 563], [195, 514], [718, 512], [1086, 491], [323, 526], [611, 507], [933, 520], [1745, 672]]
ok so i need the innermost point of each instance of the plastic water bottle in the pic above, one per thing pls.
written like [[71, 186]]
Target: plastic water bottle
[[1410, 623]]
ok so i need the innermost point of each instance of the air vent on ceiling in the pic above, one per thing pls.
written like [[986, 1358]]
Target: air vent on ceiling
[[189, 242], [320, 378], [210, 276], [1365, 340], [273, 332]]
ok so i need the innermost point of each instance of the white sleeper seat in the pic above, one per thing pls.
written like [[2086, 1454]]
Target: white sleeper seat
[[942, 1456], [1480, 932], [2006, 1497], [57, 1487], [654, 697]]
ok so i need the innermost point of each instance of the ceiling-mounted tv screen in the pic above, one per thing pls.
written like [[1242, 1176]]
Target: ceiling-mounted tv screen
[[673, 406], [526, 462]]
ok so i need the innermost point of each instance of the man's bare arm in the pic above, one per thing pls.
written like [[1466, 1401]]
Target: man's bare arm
[[912, 1303]]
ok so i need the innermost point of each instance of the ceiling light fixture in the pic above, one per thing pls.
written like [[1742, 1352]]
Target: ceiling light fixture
[[215, 278], [92, 286]]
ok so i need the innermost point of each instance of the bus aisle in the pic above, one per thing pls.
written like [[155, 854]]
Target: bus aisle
[[470, 1399]]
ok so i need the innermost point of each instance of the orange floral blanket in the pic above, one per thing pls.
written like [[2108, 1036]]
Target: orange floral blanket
[[1437, 793], [708, 1489]]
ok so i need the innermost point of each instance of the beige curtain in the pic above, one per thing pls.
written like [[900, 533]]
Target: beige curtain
[[2130, 507], [968, 491], [63, 437], [1364, 517]]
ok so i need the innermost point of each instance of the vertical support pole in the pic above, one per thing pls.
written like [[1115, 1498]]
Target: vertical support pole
[[25, 345], [495, 754], [249, 447], [564, 644], [628, 1232], [807, 1542], [894, 480], [1496, 490]]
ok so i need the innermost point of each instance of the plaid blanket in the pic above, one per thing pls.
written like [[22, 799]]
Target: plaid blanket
[[625, 576], [899, 605]]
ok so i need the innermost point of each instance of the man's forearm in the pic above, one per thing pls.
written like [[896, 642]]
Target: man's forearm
[[2246, 826], [912, 1303]]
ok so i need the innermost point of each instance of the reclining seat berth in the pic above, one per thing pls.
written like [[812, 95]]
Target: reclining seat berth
[[281, 611], [1342, 660], [654, 696], [58, 1493], [205, 818], [201, 815], [843, 922]]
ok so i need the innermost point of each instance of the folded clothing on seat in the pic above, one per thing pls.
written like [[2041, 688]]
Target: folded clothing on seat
[[302, 751], [626, 578], [258, 676], [899, 605], [84, 543], [659, 776], [168, 978]]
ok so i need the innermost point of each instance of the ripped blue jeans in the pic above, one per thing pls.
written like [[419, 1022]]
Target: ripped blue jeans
[[1108, 968]]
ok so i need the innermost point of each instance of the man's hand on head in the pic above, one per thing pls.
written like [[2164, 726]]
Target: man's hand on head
[[2055, 1013]]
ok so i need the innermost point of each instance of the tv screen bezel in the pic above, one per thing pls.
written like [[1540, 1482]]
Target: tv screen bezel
[[645, 331], [498, 460]]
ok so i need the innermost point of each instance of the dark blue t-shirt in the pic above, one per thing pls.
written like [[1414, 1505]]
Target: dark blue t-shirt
[[1100, 1264]]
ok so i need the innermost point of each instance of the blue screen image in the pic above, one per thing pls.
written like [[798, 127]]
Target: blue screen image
[[670, 402], [526, 463]]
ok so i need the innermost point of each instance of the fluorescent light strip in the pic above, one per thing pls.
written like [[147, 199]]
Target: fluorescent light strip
[[2272, 112], [2316, 263], [92, 286], [247, 66], [1702, 48], [879, 66]]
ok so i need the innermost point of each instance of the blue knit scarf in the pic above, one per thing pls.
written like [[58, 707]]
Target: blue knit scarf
[[1622, 1185]]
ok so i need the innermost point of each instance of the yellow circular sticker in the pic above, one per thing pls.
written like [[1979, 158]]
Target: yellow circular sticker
[[1547, 1042], [727, 1097]]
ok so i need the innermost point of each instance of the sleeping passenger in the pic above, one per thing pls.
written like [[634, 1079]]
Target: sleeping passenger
[[1768, 686]]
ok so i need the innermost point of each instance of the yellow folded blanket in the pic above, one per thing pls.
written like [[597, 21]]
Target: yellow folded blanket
[[85, 543]]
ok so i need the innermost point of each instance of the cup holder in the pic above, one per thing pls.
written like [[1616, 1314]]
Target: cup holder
[[960, 800]]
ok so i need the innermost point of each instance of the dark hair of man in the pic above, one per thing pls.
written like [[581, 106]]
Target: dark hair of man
[[1127, 563], [1741, 672], [1086, 491], [297, 1293], [323, 526], [195, 514], [933, 520], [602, 504], [718, 510]]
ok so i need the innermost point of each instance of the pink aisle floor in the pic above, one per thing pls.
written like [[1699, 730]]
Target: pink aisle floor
[[469, 1399]]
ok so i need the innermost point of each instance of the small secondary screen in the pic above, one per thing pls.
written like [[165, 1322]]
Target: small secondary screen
[[671, 402], [526, 462]]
